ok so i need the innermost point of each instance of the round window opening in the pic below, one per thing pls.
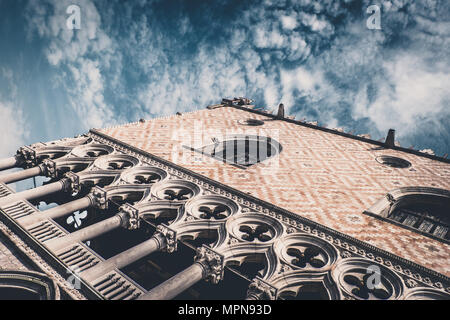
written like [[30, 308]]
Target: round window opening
[[251, 122], [394, 162], [244, 150]]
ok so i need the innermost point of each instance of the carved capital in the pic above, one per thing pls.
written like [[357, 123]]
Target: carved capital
[[170, 236], [74, 182], [27, 156], [261, 290], [132, 216], [99, 199], [213, 262], [49, 167]]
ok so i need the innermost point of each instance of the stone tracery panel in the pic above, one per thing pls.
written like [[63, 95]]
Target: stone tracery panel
[[354, 279], [306, 252]]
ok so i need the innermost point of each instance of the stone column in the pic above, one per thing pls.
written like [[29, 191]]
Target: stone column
[[56, 212], [35, 193], [21, 175], [177, 284], [125, 258], [8, 163], [209, 264], [87, 233]]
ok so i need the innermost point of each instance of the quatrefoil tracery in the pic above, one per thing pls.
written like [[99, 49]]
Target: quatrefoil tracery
[[306, 256], [253, 232], [144, 175], [147, 179], [306, 251], [175, 190], [179, 194], [119, 165], [254, 227], [364, 279], [212, 207], [217, 212], [363, 289], [115, 162]]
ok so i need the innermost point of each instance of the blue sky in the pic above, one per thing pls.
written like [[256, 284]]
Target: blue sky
[[142, 59]]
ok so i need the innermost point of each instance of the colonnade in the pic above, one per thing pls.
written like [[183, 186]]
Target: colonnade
[[157, 242]]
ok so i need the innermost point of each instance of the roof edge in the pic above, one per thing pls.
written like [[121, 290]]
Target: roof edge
[[343, 134]]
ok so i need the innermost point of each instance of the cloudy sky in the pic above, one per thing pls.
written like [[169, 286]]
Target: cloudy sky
[[146, 58]]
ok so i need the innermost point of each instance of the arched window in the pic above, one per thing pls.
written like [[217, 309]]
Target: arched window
[[27, 285], [422, 209], [243, 150]]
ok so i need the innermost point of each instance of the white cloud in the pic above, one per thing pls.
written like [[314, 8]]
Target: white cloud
[[315, 23], [289, 22], [85, 53], [410, 94]]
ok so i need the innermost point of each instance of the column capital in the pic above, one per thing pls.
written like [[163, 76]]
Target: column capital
[[170, 237], [98, 197], [27, 156], [131, 216], [49, 168], [74, 182], [261, 290], [212, 262]]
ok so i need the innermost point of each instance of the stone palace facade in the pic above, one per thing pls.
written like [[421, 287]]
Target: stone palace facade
[[229, 202]]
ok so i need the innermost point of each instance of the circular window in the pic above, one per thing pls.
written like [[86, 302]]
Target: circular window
[[247, 150], [394, 162], [251, 122]]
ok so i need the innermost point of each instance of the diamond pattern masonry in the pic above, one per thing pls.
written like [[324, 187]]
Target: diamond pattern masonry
[[325, 177]]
